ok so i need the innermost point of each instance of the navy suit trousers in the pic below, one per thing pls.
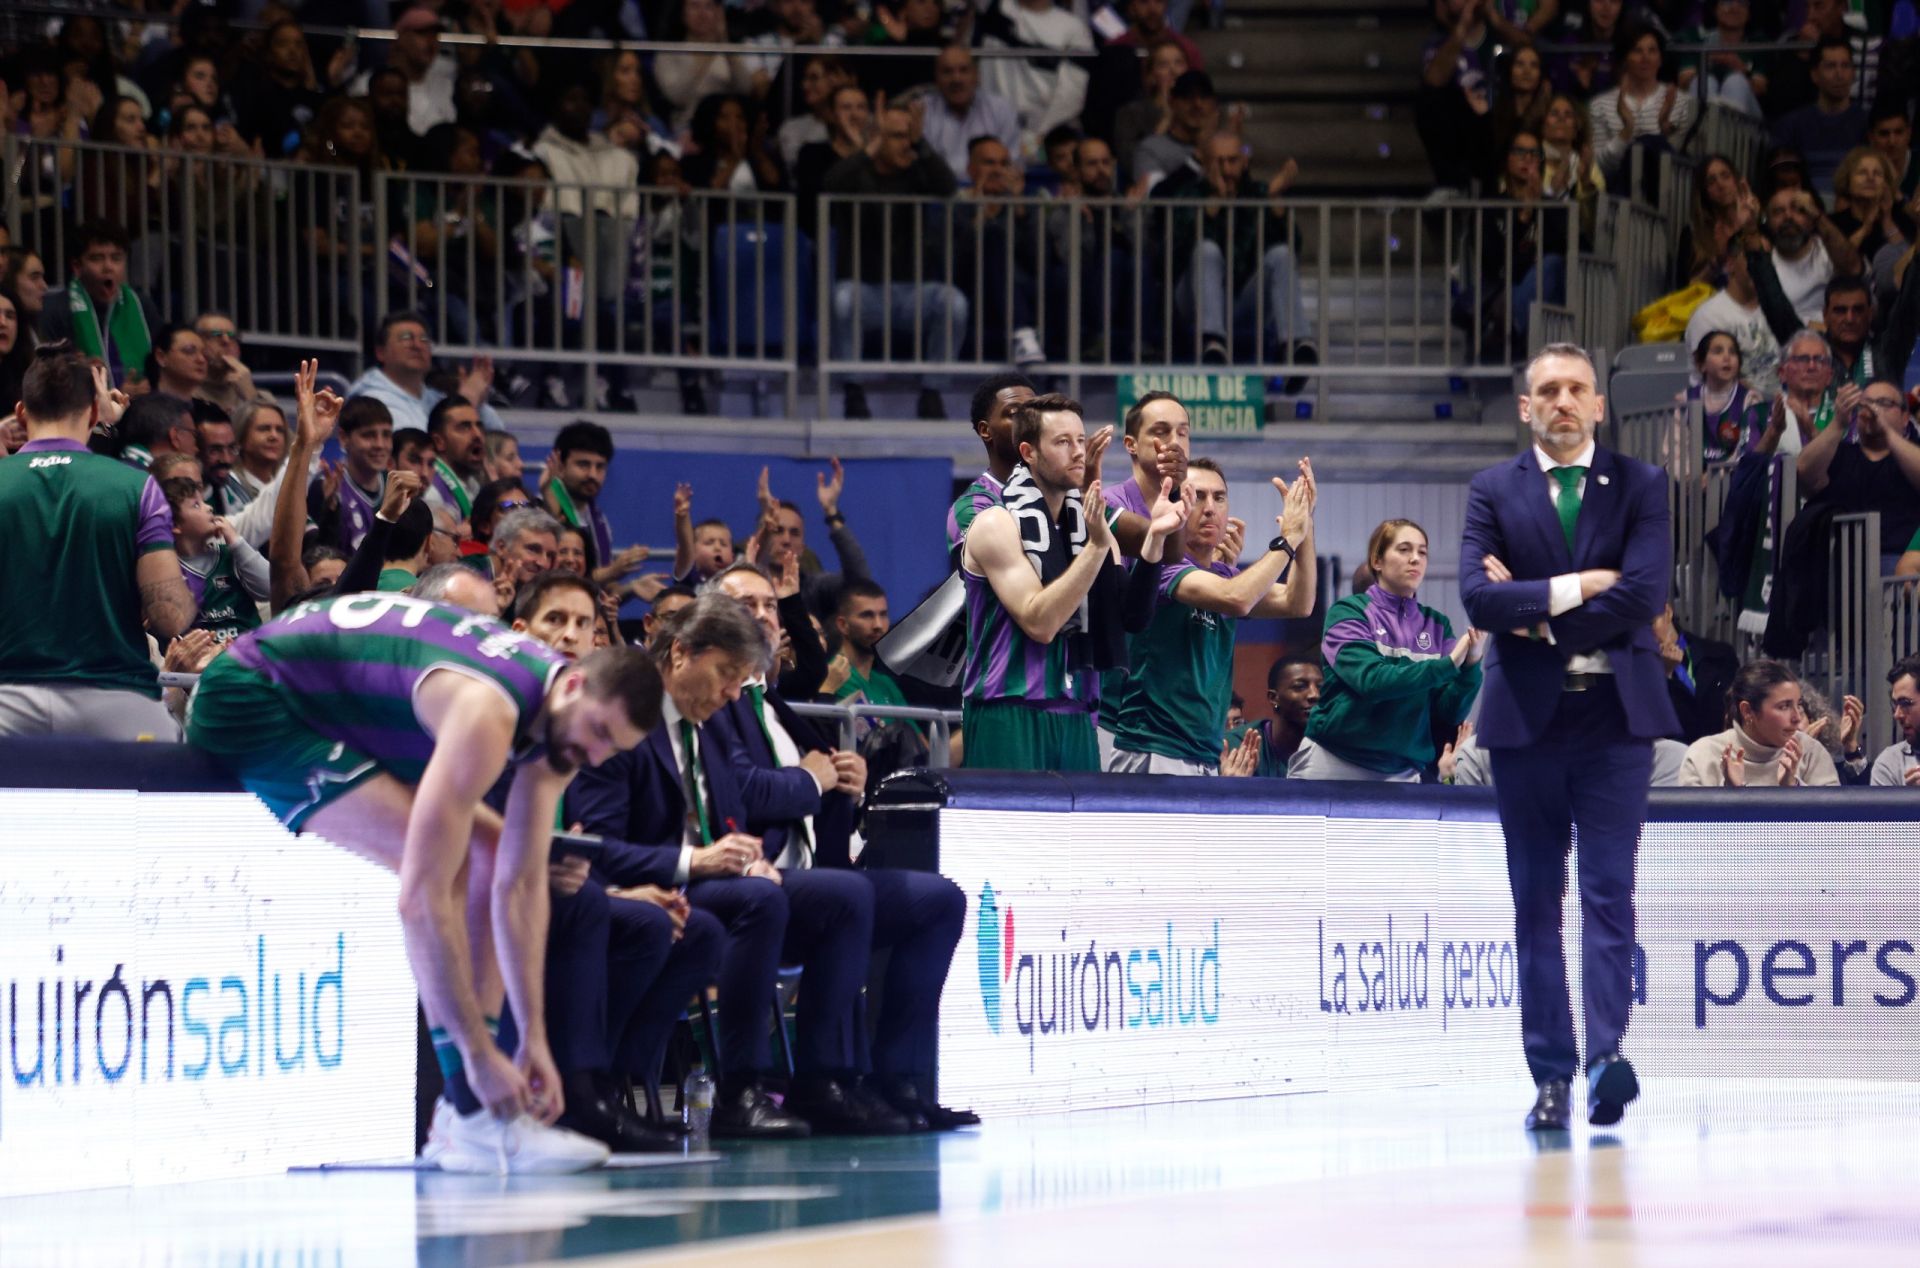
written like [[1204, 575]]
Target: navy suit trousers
[[643, 1004], [918, 917], [1587, 772]]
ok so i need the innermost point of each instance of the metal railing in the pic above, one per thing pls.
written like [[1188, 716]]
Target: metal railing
[[1860, 647], [849, 714], [1378, 289], [599, 276], [282, 248]]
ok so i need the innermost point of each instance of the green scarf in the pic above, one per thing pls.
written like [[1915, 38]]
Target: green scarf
[[122, 342]]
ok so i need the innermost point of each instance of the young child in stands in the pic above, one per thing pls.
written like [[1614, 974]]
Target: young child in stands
[[229, 578], [701, 550]]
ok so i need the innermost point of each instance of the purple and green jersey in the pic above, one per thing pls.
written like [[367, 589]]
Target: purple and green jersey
[[76, 526], [979, 495], [1389, 681], [1126, 496], [350, 668], [1179, 682]]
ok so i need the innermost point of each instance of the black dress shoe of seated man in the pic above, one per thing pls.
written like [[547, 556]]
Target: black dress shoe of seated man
[[832, 1108], [904, 1095], [1611, 1087], [1550, 1111], [591, 1112], [746, 1112]]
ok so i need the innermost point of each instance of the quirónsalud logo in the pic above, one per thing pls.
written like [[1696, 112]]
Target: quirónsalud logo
[[996, 952]]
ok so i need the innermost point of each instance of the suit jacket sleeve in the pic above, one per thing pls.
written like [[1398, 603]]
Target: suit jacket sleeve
[[1646, 571], [771, 796], [802, 682], [1499, 606], [600, 800]]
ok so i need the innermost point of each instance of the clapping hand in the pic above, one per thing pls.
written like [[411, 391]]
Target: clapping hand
[[828, 490], [1296, 516], [1232, 542], [1097, 450], [1450, 755], [1241, 760]]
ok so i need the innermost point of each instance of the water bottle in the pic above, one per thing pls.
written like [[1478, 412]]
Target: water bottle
[[696, 1107]]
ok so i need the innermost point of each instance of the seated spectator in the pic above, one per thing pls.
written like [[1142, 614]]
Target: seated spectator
[[1045, 94], [177, 365], [1384, 695], [576, 156], [997, 254], [1808, 251], [1061, 147], [324, 564], [1847, 316], [1868, 208], [404, 352], [684, 78], [1147, 26], [413, 451], [1644, 110], [90, 560], [1827, 127], [1569, 169], [1869, 461], [1735, 310], [429, 72], [814, 123], [104, 317], [965, 111], [496, 498], [276, 93], [1222, 307], [1524, 96], [219, 451], [1193, 115], [1765, 744], [852, 132], [1584, 75], [1733, 414], [1796, 79], [459, 455], [228, 578], [1151, 112], [701, 551], [406, 555], [1898, 764], [1891, 132], [794, 23], [731, 153], [1733, 79], [862, 621], [1723, 210], [783, 535], [582, 453], [877, 291], [1293, 688], [24, 276], [503, 455], [16, 352], [523, 546], [262, 433], [1456, 91], [570, 551], [155, 424], [229, 384], [1523, 257], [1838, 733], [342, 509], [1110, 239], [625, 115]]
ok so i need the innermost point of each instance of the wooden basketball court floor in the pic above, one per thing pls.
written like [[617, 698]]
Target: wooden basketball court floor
[[1747, 1172]]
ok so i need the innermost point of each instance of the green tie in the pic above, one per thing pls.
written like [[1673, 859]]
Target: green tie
[[1568, 503], [759, 697], [690, 772]]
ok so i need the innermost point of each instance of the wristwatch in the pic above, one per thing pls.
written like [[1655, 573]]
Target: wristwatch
[[835, 520], [1285, 547]]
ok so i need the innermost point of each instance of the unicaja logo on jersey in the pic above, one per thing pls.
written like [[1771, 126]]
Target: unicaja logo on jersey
[[996, 952]]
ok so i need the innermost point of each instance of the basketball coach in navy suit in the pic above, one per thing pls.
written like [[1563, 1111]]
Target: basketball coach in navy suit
[[1567, 558]]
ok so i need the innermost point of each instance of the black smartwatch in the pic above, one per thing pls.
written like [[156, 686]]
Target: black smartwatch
[[1282, 545]]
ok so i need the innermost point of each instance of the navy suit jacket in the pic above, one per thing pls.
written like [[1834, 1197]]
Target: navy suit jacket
[[1625, 525], [777, 797], [636, 800]]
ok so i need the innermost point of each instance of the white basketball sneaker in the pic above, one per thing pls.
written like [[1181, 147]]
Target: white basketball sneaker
[[480, 1144], [444, 1116]]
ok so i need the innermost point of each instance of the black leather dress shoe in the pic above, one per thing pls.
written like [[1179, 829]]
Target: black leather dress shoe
[[748, 1113], [875, 1101], [1549, 1112], [1611, 1087], [904, 1095], [592, 1112], [834, 1108]]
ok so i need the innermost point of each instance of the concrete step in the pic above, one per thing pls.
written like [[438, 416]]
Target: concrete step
[[1309, 58]]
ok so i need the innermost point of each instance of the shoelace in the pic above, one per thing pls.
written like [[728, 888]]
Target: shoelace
[[506, 1133]]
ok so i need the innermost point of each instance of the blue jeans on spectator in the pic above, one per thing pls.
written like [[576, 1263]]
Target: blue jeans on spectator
[[940, 309], [1285, 311]]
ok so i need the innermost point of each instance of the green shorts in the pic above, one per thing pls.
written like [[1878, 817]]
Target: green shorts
[[1008, 735], [240, 719]]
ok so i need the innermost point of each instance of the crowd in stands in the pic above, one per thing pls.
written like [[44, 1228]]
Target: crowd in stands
[[630, 138]]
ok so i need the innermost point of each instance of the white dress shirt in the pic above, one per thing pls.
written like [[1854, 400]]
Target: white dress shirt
[[689, 831], [787, 753], [1563, 592]]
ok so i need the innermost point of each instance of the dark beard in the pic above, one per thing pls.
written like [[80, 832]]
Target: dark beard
[[556, 758]]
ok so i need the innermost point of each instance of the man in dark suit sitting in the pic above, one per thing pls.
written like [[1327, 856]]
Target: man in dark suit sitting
[[802, 796], [676, 792], [1567, 557]]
